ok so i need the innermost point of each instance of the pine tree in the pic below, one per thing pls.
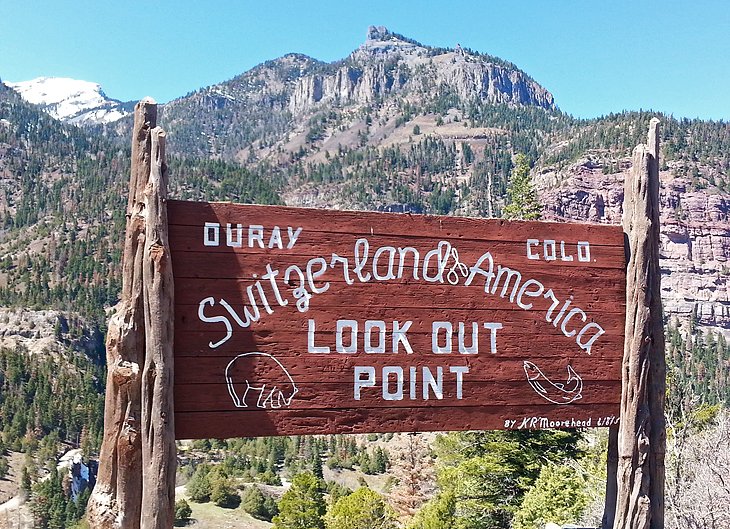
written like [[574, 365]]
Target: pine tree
[[489, 473], [363, 509], [302, 506], [252, 501], [558, 496], [317, 466], [199, 486], [524, 204], [438, 513], [183, 512]]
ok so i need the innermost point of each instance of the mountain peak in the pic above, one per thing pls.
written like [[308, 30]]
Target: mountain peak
[[379, 35], [71, 100]]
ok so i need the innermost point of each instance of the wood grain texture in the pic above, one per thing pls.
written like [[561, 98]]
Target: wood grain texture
[[279, 288], [159, 457], [116, 499], [641, 440]]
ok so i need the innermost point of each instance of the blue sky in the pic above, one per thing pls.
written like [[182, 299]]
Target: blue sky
[[595, 57]]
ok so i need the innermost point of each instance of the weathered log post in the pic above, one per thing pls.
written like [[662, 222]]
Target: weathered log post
[[136, 482], [117, 497], [642, 434], [158, 433], [609, 511]]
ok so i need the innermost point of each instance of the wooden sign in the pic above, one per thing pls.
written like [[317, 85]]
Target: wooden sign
[[303, 321]]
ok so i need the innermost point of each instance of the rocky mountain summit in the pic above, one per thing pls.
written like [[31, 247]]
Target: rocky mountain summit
[[289, 101], [388, 63]]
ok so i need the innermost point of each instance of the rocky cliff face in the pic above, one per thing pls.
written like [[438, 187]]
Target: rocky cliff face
[[388, 63], [695, 234]]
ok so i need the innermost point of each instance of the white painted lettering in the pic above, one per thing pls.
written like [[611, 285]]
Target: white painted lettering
[[362, 248], [391, 263], [293, 236], [275, 239], [215, 319], [311, 348], [584, 252], [531, 293], [436, 385], [369, 326], [448, 330], [255, 234], [586, 346], [493, 328], [548, 246], [400, 336], [474, 347], [572, 313], [211, 234], [237, 241], [312, 275], [367, 382], [341, 326], [564, 257], [460, 371], [398, 393]]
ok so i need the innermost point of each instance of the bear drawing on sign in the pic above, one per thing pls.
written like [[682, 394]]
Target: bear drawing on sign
[[271, 390]]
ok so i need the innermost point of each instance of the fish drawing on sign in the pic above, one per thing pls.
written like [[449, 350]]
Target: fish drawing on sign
[[244, 384], [555, 392]]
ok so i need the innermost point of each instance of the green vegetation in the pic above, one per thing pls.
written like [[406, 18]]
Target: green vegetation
[[50, 506], [558, 496], [182, 513], [697, 372], [42, 405], [61, 227], [488, 473], [302, 505], [257, 505], [363, 509], [523, 202]]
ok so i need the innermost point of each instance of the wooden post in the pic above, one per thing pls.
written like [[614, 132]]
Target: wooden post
[[642, 434], [136, 482], [609, 511], [117, 497], [158, 432]]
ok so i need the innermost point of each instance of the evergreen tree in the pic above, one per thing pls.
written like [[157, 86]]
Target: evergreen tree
[[302, 506], [253, 502], [488, 473], [363, 509], [523, 201], [183, 512], [222, 492], [437, 513], [199, 486], [4, 467], [317, 466], [557, 496]]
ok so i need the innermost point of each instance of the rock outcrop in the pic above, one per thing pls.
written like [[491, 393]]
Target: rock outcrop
[[695, 235], [389, 63]]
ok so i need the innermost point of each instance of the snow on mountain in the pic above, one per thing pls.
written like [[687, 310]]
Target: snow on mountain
[[72, 100]]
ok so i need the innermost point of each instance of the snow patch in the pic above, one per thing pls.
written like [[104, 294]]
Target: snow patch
[[71, 100]]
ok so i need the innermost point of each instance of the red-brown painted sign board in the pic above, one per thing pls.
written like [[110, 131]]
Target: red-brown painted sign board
[[303, 321]]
